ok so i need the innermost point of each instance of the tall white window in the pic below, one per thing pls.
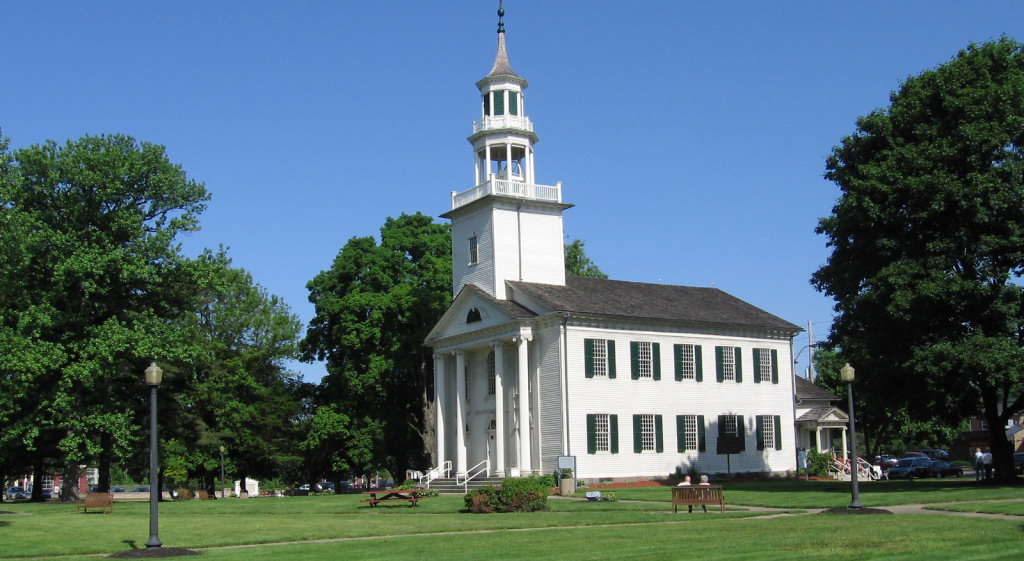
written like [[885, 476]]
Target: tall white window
[[645, 360], [690, 432], [764, 365], [474, 251], [602, 433], [767, 432], [687, 363], [647, 434], [728, 363]]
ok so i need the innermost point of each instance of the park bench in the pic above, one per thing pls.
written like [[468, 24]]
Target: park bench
[[102, 501], [703, 495]]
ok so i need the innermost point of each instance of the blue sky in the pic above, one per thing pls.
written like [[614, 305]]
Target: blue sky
[[691, 136]]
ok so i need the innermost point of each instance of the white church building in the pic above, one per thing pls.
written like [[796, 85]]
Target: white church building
[[629, 379]]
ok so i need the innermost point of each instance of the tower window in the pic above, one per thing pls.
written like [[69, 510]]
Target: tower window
[[513, 103], [499, 102], [474, 252], [487, 105]]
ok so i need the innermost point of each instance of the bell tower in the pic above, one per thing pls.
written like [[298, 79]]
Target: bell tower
[[506, 227]]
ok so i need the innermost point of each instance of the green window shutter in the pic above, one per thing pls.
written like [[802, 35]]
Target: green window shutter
[[698, 363], [759, 421], [656, 359], [719, 373], [591, 434], [677, 359], [499, 102], [611, 358], [757, 366], [638, 444], [588, 357], [741, 428], [775, 366], [778, 432], [680, 433], [613, 430], [721, 426], [739, 365], [659, 439], [487, 104], [634, 359], [513, 105], [702, 444]]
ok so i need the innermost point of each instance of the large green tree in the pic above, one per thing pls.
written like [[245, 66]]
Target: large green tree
[[374, 307], [92, 286], [577, 263], [927, 244]]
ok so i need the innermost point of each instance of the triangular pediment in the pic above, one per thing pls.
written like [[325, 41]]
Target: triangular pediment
[[822, 415], [475, 310]]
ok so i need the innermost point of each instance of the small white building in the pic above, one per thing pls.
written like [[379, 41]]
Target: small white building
[[631, 379]]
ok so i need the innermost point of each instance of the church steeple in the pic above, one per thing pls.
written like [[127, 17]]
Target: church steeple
[[507, 227]]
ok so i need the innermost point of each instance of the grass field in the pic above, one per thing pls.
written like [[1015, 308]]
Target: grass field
[[639, 525]]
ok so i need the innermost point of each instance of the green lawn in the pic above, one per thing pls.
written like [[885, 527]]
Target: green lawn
[[638, 526]]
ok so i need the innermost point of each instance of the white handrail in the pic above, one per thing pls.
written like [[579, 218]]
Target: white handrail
[[470, 475], [435, 473]]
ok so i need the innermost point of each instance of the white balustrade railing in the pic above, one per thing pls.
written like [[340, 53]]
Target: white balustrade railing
[[442, 471], [483, 468], [521, 122], [508, 188]]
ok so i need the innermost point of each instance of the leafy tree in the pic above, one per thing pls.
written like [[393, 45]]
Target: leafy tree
[[92, 281], [927, 245], [238, 392], [374, 308], [577, 264]]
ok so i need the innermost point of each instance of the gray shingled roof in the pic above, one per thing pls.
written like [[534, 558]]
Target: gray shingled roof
[[806, 389], [513, 309], [685, 304], [501, 65]]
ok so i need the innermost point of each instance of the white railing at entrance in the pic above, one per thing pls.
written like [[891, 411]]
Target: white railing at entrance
[[483, 468], [442, 471], [508, 188]]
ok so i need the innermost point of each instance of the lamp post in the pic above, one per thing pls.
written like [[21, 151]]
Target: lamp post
[[847, 372], [222, 471], [154, 375]]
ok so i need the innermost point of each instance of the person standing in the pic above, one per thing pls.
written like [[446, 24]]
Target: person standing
[[986, 460], [979, 467]]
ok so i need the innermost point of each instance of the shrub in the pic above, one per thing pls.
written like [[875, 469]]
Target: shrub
[[818, 462], [527, 494]]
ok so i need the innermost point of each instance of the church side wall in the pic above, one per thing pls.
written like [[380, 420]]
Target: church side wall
[[625, 398], [549, 400]]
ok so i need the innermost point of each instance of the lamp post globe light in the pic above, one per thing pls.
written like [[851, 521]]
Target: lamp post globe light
[[154, 375], [847, 374]]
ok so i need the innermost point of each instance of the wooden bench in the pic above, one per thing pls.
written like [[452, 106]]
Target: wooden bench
[[703, 495], [102, 501]]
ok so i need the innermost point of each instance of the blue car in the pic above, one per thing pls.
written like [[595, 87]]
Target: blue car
[[909, 468]]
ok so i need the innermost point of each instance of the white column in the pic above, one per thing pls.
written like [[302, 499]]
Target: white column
[[499, 409], [508, 160], [440, 403], [523, 373], [460, 413]]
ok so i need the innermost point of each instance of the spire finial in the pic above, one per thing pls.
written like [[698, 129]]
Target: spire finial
[[501, 14]]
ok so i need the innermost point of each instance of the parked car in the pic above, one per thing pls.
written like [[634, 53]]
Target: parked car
[[15, 492], [909, 468], [942, 468], [1018, 462], [886, 461], [935, 453]]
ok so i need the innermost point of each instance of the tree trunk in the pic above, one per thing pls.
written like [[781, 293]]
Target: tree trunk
[[106, 452], [69, 483], [1002, 451]]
